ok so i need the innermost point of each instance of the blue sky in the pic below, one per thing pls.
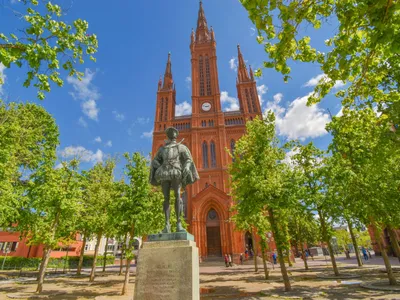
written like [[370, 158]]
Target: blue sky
[[112, 110]]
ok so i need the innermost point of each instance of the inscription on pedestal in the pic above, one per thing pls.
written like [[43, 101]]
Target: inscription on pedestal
[[168, 271]]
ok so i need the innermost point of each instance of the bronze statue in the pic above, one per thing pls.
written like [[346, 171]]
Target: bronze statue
[[173, 168]]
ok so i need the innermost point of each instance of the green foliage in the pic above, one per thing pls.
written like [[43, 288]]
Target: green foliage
[[32, 263], [362, 50], [28, 141], [46, 45]]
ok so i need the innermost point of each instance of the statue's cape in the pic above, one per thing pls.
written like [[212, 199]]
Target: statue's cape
[[186, 162]]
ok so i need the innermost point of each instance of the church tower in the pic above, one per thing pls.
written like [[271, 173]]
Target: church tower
[[208, 132]]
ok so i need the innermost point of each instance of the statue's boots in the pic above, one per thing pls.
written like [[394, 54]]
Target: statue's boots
[[179, 228], [167, 228]]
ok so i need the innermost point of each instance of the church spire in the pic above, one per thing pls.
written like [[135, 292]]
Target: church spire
[[202, 33], [243, 75], [168, 81]]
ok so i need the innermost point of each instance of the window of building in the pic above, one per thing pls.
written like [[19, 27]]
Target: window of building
[[14, 246], [110, 248], [208, 76], [213, 155], [166, 110], [161, 109], [87, 247], [201, 71], [253, 100], [246, 91], [211, 123], [205, 155]]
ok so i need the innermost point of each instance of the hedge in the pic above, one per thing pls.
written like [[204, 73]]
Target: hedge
[[71, 262]]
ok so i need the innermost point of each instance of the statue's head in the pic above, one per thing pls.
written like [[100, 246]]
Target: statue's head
[[172, 133]]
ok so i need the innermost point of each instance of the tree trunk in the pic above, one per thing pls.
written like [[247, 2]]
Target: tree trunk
[[96, 252], [42, 270], [355, 244], [66, 260], [304, 256], [105, 256], [254, 251], [266, 272], [121, 263], [326, 240], [378, 239], [128, 261], [276, 233], [290, 264], [394, 242], [78, 272]]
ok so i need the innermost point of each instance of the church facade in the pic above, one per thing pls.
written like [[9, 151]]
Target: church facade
[[209, 133]]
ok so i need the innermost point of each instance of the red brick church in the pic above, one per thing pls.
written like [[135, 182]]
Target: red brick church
[[208, 132]]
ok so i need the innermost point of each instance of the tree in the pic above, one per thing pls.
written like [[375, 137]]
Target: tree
[[303, 229], [309, 161], [99, 195], [262, 181], [140, 206], [362, 50], [50, 210], [46, 45], [367, 153], [28, 141]]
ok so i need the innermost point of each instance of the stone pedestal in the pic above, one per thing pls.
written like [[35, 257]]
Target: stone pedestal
[[168, 269]]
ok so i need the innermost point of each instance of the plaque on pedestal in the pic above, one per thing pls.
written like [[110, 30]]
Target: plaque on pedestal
[[168, 269]]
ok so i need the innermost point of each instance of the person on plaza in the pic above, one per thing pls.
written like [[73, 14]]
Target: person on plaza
[[246, 254], [241, 258], [274, 257], [369, 254], [251, 253], [230, 260], [226, 260], [364, 252]]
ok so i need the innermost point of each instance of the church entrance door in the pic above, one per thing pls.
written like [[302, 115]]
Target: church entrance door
[[213, 234]]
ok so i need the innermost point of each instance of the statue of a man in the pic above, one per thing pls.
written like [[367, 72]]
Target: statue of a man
[[173, 168]]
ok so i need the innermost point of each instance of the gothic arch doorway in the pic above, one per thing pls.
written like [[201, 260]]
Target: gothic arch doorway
[[213, 234], [248, 239]]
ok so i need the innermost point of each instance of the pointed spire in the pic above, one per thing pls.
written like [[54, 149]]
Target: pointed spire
[[251, 73], [202, 33], [212, 34], [243, 75], [160, 83], [168, 81]]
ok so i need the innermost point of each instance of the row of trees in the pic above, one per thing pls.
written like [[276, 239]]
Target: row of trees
[[50, 205]]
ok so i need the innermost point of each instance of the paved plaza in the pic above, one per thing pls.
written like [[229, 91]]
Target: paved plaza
[[218, 282]]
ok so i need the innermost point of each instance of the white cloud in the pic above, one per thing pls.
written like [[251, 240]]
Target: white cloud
[[148, 134], [320, 78], [261, 90], [84, 90], [289, 155], [340, 113], [82, 122], [90, 109], [109, 144], [232, 103], [142, 120], [278, 97], [82, 154], [118, 116], [233, 64], [183, 109], [299, 121], [188, 81], [2, 78], [97, 139]]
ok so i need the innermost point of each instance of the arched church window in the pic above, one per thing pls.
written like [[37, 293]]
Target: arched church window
[[208, 76], [253, 100], [201, 71], [212, 215], [248, 99], [213, 155], [205, 155], [166, 110], [161, 109]]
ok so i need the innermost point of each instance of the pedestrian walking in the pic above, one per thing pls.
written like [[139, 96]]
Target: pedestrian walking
[[230, 260], [274, 257], [241, 258], [369, 253], [246, 254], [226, 260], [365, 254]]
